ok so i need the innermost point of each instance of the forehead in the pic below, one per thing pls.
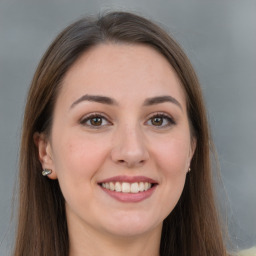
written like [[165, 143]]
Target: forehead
[[123, 71]]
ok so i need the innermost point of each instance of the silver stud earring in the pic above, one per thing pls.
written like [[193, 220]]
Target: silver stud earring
[[189, 169], [46, 172]]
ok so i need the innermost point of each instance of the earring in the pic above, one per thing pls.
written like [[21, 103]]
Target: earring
[[189, 169], [46, 172]]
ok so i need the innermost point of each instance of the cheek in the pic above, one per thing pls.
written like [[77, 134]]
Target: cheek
[[77, 160], [171, 160], [77, 155], [173, 156]]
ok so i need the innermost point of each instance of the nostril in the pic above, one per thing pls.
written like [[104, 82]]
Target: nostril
[[130, 163], [129, 156]]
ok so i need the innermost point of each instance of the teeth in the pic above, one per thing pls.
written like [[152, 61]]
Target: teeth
[[126, 187], [118, 187], [141, 186], [112, 186], [135, 187], [147, 186]]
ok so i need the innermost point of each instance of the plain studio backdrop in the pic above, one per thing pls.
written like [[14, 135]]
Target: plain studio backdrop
[[218, 36]]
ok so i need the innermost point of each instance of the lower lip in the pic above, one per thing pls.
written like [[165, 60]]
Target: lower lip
[[130, 197]]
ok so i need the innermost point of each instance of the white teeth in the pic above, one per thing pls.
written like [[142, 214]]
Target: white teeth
[[126, 187], [112, 186], [146, 186], [141, 186], [118, 187], [135, 187]]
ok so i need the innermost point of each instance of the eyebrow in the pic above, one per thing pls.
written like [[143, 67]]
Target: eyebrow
[[161, 99], [111, 101], [95, 98]]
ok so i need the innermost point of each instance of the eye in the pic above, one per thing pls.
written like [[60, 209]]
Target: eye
[[160, 120], [95, 121]]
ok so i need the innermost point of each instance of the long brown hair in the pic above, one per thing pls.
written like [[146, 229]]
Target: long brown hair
[[192, 228]]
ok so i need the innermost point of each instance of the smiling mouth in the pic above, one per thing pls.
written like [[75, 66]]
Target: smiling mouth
[[126, 187]]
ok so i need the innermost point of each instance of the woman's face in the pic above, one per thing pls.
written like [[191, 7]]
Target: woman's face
[[120, 143]]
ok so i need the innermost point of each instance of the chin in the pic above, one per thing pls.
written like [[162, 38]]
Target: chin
[[132, 226]]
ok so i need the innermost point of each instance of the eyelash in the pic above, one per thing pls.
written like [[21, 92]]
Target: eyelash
[[90, 117], [170, 121]]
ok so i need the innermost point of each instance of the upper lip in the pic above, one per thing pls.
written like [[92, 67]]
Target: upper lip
[[130, 179]]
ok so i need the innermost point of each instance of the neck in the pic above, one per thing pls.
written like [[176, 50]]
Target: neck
[[86, 241]]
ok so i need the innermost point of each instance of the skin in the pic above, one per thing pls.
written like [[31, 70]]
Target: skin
[[127, 142]]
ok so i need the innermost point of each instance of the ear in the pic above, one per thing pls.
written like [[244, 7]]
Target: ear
[[193, 146], [45, 153], [192, 149]]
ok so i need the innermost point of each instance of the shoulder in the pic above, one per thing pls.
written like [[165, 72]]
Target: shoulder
[[248, 252]]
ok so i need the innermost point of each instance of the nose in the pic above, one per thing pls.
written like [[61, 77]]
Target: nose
[[129, 148]]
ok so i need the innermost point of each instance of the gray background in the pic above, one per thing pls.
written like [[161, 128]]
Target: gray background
[[219, 38]]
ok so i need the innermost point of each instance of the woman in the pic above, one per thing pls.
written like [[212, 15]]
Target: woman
[[116, 121]]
